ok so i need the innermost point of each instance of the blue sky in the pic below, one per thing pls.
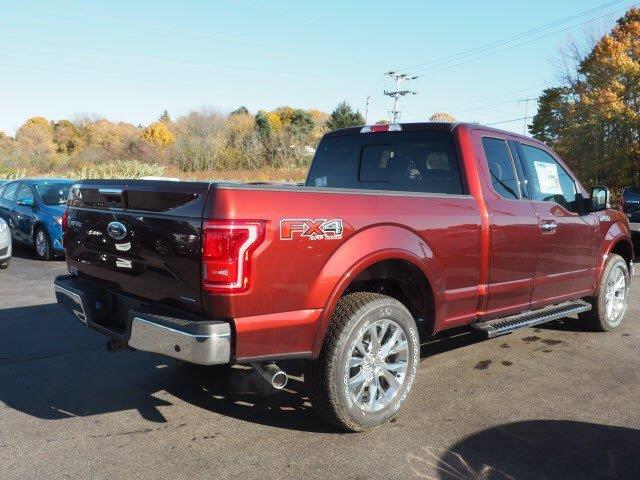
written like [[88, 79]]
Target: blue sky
[[128, 61]]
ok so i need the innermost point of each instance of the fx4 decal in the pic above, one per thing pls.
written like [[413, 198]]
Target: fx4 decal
[[319, 229]]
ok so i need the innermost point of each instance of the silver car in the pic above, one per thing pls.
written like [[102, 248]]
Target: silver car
[[5, 244]]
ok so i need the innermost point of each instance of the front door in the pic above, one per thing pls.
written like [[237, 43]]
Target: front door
[[23, 214], [566, 248]]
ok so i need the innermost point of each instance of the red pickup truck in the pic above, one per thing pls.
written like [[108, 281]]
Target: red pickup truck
[[400, 231]]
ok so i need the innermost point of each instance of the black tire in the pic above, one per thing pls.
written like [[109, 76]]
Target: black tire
[[47, 253], [4, 264], [327, 377], [597, 318]]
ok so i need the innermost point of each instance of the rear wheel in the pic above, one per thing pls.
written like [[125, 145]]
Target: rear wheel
[[42, 244], [610, 303], [368, 362]]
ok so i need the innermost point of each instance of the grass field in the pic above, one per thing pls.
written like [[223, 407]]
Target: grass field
[[133, 169]]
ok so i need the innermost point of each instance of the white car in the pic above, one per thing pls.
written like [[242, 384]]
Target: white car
[[5, 244]]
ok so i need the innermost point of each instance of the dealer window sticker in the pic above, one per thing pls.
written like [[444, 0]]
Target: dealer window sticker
[[321, 181], [548, 178]]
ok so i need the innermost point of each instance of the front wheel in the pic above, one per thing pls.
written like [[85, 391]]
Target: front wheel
[[368, 362], [610, 303]]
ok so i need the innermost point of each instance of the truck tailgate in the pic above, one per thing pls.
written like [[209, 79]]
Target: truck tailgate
[[139, 237]]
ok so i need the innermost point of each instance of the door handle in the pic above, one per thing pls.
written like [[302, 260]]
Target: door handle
[[548, 226]]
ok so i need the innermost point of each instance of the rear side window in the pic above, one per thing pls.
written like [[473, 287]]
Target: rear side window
[[501, 167], [10, 192], [24, 194], [632, 192], [424, 162]]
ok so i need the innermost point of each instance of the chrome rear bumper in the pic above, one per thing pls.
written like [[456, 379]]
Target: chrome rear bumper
[[210, 348], [205, 342]]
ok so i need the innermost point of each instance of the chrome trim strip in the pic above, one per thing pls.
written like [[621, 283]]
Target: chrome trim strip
[[276, 356], [204, 349], [110, 191]]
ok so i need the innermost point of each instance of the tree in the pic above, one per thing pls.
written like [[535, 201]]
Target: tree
[[442, 117], [593, 119], [344, 117], [38, 122], [158, 134], [301, 123], [383, 121], [242, 110], [67, 137], [263, 125], [35, 138], [165, 118]]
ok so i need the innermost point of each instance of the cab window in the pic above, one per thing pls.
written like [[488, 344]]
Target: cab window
[[549, 181], [501, 168], [422, 162]]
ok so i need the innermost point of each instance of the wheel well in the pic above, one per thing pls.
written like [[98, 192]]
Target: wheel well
[[624, 249], [403, 281]]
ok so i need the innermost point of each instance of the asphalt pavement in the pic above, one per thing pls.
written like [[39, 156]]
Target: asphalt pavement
[[554, 402]]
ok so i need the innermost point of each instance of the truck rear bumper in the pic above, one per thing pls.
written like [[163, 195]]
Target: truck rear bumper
[[205, 342]]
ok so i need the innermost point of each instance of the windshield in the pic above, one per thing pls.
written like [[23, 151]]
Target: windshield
[[631, 191], [53, 193]]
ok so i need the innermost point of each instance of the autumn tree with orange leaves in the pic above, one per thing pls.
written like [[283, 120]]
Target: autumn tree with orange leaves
[[593, 120]]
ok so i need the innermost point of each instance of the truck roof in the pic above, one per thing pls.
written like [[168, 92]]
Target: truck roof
[[428, 127]]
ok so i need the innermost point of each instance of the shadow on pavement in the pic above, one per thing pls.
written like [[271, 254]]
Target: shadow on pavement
[[20, 250], [51, 367], [539, 449]]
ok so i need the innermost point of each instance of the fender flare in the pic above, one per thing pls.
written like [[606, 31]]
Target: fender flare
[[359, 252], [614, 236]]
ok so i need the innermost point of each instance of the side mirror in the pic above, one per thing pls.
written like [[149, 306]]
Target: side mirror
[[26, 202], [599, 199]]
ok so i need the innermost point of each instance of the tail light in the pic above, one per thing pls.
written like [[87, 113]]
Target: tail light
[[64, 222], [227, 247], [386, 127]]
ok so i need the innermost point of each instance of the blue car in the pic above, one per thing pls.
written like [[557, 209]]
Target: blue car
[[33, 210]]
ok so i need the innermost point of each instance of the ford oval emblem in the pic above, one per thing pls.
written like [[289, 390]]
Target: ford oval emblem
[[116, 230]]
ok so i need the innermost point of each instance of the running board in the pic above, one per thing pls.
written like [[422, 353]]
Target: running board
[[501, 326]]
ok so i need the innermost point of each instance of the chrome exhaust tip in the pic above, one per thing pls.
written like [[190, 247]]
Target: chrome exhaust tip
[[272, 374]]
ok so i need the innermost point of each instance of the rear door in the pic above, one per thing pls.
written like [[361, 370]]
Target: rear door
[[142, 238], [514, 227], [567, 235]]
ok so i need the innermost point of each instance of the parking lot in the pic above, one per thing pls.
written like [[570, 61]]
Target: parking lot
[[553, 402]]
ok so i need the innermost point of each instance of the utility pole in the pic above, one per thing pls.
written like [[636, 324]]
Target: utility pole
[[398, 77], [366, 110], [526, 105]]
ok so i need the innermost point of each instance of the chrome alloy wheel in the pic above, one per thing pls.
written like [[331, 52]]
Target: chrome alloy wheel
[[615, 299], [41, 243], [377, 365]]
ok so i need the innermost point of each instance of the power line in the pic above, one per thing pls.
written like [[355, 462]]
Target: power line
[[507, 121], [594, 104], [510, 38], [396, 94], [446, 67]]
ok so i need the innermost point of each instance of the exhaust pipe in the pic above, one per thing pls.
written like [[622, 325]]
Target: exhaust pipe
[[272, 374]]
